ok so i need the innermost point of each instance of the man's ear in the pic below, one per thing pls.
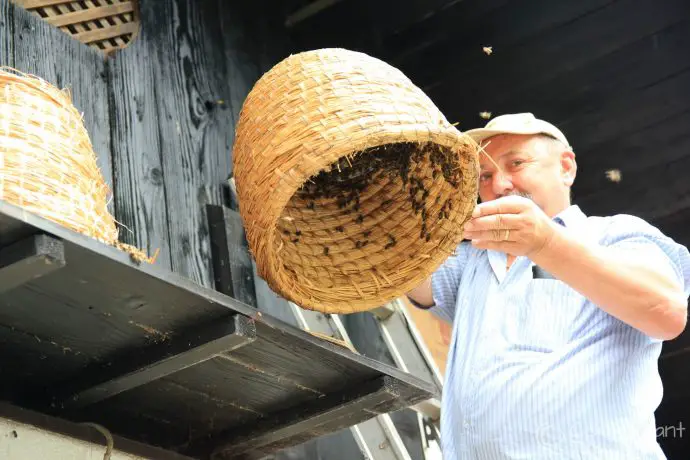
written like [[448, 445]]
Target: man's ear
[[568, 167]]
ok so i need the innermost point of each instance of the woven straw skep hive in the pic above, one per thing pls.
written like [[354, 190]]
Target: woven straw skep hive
[[47, 163], [352, 185]]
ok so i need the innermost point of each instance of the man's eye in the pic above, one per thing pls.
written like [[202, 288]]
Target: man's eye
[[517, 162], [485, 177]]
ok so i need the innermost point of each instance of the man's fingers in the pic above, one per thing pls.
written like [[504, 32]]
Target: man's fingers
[[506, 205], [496, 221], [508, 247], [492, 235]]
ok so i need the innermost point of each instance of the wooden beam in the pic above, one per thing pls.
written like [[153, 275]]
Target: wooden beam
[[136, 369], [232, 263], [573, 34], [29, 435], [458, 57], [29, 259], [308, 11], [90, 14], [6, 35], [320, 416]]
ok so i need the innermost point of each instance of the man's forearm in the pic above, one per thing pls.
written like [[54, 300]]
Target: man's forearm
[[422, 294], [626, 288]]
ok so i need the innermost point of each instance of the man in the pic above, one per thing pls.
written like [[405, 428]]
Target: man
[[558, 318]]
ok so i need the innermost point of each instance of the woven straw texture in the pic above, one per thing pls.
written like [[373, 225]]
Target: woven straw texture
[[47, 163], [352, 186]]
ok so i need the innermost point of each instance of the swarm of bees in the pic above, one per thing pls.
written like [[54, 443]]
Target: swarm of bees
[[345, 181]]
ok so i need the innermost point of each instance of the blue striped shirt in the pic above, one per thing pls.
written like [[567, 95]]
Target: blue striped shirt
[[537, 371]]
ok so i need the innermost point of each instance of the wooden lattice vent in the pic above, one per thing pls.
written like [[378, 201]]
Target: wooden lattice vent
[[106, 25]]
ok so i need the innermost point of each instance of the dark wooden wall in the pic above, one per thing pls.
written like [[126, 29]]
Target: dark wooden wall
[[160, 113], [175, 94], [161, 116]]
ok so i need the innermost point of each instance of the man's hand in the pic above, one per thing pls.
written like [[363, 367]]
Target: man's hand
[[512, 224]]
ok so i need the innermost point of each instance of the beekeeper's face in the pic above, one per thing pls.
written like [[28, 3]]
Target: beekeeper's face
[[534, 166]]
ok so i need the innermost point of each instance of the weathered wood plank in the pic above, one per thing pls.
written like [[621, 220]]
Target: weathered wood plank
[[28, 260], [242, 54], [188, 349], [563, 92], [457, 59], [666, 140], [45, 51], [637, 193], [621, 117], [232, 264], [195, 126], [560, 48], [140, 203], [341, 409], [462, 22], [28, 357], [180, 411], [6, 33]]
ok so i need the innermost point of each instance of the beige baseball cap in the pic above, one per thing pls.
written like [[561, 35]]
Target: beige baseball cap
[[516, 123]]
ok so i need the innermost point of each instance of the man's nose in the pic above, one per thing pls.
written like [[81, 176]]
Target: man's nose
[[502, 183]]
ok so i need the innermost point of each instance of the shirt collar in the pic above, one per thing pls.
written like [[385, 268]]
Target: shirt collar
[[570, 217]]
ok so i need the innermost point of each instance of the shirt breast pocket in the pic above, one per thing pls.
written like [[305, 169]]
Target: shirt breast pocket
[[548, 316]]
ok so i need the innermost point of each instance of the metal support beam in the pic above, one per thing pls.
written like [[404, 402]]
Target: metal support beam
[[29, 259], [157, 361]]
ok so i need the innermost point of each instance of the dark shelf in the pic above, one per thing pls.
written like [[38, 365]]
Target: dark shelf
[[91, 335]]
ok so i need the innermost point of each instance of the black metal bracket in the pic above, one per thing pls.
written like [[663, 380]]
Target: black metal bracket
[[135, 369], [28, 259]]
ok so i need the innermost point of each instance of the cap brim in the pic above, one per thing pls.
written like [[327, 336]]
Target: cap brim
[[480, 134]]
